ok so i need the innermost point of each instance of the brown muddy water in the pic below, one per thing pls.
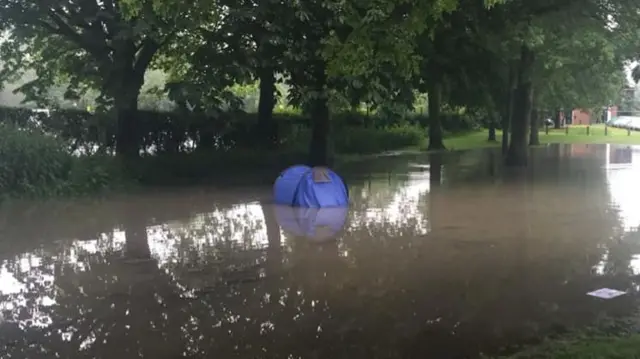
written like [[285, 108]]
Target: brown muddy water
[[441, 257]]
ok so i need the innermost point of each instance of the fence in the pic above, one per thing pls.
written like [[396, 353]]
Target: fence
[[591, 130]]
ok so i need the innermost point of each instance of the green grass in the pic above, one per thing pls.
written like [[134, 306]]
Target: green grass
[[585, 347], [576, 134]]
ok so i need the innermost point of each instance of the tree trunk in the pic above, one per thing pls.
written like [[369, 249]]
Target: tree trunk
[[207, 137], [435, 126], [534, 138], [320, 128], [557, 119], [130, 64], [127, 133], [320, 123], [518, 149], [492, 131], [507, 115], [267, 126]]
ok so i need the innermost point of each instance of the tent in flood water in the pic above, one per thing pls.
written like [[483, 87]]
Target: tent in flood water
[[317, 187]]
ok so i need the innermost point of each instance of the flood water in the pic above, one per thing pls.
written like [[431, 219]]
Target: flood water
[[440, 257]]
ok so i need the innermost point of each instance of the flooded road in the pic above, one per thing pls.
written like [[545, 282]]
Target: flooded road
[[441, 257]]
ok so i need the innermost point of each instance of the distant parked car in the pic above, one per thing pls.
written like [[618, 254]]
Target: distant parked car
[[620, 122], [634, 124], [624, 122]]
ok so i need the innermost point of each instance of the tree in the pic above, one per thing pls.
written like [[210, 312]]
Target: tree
[[565, 80], [262, 22], [533, 26], [105, 45]]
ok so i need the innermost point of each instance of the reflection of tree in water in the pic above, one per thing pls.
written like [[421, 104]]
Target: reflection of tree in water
[[34, 274], [397, 199], [101, 303], [216, 247], [111, 306]]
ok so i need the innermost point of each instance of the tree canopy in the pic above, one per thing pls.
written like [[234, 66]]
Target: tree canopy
[[498, 59]]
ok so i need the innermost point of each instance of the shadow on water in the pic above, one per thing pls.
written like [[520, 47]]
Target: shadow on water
[[448, 256]]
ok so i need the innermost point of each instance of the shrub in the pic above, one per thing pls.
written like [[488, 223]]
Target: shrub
[[36, 164], [358, 140], [168, 131], [361, 140], [92, 174], [460, 122], [31, 162]]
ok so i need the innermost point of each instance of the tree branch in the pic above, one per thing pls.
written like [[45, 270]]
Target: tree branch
[[95, 46], [148, 49]]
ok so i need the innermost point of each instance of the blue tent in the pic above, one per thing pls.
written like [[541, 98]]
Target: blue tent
[[303, 186], [318, 224]]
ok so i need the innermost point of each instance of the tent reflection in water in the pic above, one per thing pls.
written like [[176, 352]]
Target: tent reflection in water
[[317, 224], [311, 202]]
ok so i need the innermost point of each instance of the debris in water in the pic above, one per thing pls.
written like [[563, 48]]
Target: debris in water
[[606, 293]]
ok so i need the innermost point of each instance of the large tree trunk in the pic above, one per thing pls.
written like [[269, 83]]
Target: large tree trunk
[[507, 115], [126, 78], [207, 135], [131, 63], [266, 124], [518, 149], [127, 133], [319, 151], [436, 141], [534, 138]]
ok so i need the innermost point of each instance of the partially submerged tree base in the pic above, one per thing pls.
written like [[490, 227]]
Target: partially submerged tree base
[[516, 158], [492, 134], [436, 146]]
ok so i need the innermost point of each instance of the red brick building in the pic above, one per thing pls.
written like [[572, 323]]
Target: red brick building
[[584, 117], [580, 117]]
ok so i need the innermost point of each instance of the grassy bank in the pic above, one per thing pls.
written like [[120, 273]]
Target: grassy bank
[[596, 134], [585, 347]]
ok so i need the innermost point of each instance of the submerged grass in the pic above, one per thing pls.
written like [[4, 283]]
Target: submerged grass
[[585, 347], [608, 337], [596, 134]]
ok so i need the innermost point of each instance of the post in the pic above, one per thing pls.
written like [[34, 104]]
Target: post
[[628, 132], [588, 127], [546, 128], [566, 130], [606, 130]]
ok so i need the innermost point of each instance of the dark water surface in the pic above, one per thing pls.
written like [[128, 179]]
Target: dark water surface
[[441, 257]]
